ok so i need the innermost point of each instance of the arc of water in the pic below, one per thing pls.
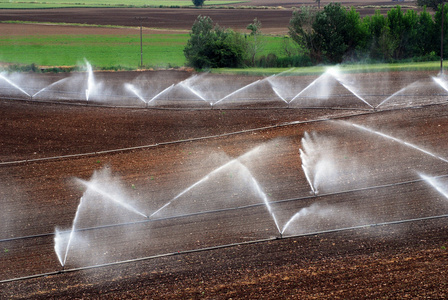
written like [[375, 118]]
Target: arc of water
[[278, 94], [353, 92], [307, 176], [49, 86], [238, 90], [180, 194], [194, 92], [110, 197], [57, 246], [203, 179], [132, 88], [396, 140], [435, 184], [336, 75], [265, 200], [306, 88], [90, 80], [443, 84], [72, 231], [162, 92], [14, 85], [254, 182], [304, 211], [396, 93]]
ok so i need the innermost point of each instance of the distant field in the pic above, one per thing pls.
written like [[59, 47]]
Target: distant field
[[23, 4], [104, 51]]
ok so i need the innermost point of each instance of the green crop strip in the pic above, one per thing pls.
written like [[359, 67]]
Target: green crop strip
[[102, 51]]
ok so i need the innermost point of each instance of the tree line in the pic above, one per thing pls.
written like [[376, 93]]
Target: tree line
[[331, 35]]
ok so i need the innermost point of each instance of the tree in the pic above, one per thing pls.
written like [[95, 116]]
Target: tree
[[430, 3], [331, 30], [212, 46], [427, 34], [403, 29], [198, 3], [301, 31], [380, 44], [256, 45], [200, 36]]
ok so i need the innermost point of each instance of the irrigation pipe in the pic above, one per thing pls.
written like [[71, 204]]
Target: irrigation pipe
[[366, 112], [177, 141], [225, 209], [218, 247]]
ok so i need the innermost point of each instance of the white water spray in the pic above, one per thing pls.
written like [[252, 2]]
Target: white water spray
[[90, 80], [14, 85], [72, 232], [336, 74], [193, 91], [237, 91], [49, 86], [306, 170], [397, 93], [395, 139], [442, 83], [132, 88], [161, 93], [205, 178], [108, 196], [435, 184], [322, 93], [314, 210]]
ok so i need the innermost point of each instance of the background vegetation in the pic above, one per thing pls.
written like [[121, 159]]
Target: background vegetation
[[331, 35], [11, 4], [103, 51]]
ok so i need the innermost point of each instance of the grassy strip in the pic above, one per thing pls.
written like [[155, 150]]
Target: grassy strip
[[346, 68], [108, 3], [103, 51]]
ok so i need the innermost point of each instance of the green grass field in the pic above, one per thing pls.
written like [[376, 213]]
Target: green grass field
[[159, 51], [103, 51], [22, 4]]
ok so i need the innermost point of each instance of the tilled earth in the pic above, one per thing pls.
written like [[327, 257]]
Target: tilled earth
[[224, 163]]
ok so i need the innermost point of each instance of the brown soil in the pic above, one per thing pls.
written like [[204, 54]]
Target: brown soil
[[274, 21], [387, 261]]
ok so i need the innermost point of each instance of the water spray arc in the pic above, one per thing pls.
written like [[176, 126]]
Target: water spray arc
[[133, 89], [49, 86], [62, 255], [336, 75], [360, 127], [14, 85], [237, 91], [160, 93], [432, 181], [90, 80], [205, 178], [184, 85], [442, 83], [108, 196], [254, 183]]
